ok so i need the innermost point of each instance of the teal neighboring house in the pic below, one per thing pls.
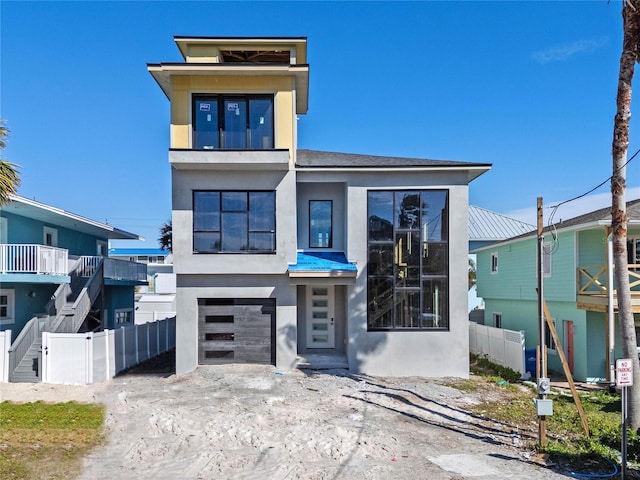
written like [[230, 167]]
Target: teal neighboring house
[[576, 289], [55, 277]]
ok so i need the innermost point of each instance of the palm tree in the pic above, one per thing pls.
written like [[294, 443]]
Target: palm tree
[[166, 236], [9, 176], [628, 58]]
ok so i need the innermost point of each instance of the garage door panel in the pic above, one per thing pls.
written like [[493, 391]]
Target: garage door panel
[[236, 333]]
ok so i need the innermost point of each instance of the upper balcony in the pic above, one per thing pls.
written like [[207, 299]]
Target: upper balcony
[[32, 263], [593, 288], [229, 159]]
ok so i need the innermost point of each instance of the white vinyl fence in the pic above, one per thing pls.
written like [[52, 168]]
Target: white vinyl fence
[[504, 347], [86, 358], [5, 344]]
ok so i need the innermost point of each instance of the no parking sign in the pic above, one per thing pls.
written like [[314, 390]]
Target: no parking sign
[[624, 372]]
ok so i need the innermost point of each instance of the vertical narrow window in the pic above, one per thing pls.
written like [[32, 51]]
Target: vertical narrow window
[[50, 236], [494, 263], [205, 123], [320, 223], [547, 250], [261, 123], [497, 320], [234, 133], [548, 340]]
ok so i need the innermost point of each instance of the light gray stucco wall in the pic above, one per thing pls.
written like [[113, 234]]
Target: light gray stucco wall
[[406, 353], [185, 182], [230, 275], [192, 287], [321, 191]]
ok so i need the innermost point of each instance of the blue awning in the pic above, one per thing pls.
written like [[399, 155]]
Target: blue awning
[[322, 264]]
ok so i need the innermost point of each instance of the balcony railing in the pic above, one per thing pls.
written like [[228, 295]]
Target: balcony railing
[[592, 280], [114, 269], [38, 259]]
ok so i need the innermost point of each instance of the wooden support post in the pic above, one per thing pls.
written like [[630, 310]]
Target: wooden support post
[[565, 367]]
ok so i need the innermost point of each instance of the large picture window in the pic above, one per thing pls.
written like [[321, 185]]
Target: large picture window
[[234, 222], [232, 122], [408, 260]]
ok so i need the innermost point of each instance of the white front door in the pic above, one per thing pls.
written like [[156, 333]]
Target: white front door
[[320, 320]]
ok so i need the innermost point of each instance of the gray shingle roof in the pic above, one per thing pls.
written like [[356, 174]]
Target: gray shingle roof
[[319, 159]]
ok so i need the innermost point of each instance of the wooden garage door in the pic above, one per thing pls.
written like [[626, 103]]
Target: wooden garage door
[[236, 331]]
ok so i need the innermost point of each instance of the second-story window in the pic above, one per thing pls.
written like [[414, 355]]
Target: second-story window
[[234, 222], [320, 223], [235, 122]]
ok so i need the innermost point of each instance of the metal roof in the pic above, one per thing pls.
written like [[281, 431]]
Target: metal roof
[[600, 217], [485, 225], [131, 252]]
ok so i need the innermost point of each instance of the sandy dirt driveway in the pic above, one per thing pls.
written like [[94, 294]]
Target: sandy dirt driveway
[[254, 422]]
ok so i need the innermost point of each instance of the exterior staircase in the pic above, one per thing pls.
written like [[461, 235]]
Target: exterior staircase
[[66, 312]]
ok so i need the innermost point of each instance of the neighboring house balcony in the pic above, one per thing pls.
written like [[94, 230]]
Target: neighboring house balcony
[[273, 159], [32, 263], [593, 288], [116, 272]]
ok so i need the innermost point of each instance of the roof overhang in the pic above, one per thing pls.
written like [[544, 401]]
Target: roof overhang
[[473, 172], [163, 72], [56, 216], [244, 43]]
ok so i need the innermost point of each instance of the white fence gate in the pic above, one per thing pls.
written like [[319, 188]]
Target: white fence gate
[[86, 358], [504, 347], [5, 344]]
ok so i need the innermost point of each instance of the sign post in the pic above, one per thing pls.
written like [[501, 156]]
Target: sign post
[[624, 379]]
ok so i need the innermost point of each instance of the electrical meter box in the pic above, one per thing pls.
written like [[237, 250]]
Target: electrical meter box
[[544, 408]]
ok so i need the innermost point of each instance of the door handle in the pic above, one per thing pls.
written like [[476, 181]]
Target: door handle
[[331, 320]]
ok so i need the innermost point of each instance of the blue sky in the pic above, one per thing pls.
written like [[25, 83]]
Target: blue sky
[[527, 86]]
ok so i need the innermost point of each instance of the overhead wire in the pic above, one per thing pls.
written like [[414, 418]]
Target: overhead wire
[[554, 208]]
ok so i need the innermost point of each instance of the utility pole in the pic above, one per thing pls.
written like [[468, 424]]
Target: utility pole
[[543, 381]]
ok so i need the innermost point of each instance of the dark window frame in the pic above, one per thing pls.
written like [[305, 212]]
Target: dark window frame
[[220, 100], [388, 278], [330, 242], [220, 226]]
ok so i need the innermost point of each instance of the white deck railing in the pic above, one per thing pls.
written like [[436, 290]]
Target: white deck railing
[[31, 258]]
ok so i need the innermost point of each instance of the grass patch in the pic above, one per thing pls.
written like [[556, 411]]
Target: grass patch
[[566, 442], [47, 441]]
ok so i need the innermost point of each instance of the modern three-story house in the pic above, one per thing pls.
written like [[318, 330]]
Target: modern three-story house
[[281, 253]]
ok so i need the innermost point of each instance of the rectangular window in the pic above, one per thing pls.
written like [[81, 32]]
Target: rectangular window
[[497, 320], [123, 316], [320, 223], [233, 122], [7, 306], [494, 263], [408, 260], [547, 250], [548, 339], [234, 222]]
